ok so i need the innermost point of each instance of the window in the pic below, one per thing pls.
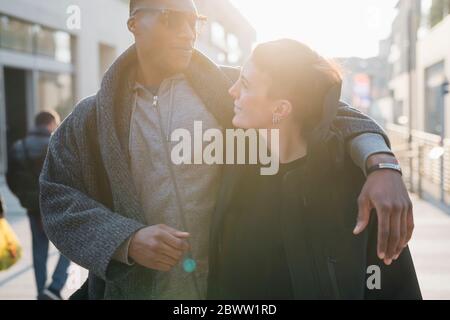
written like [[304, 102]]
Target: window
[[399, 116], [63, 51], [227, 43], [218, 35], [53, 44], [234, 50], [434, 100], [35, 39], [55, 92], [221, 57], [16, 34], [45, 42], [107, 55]]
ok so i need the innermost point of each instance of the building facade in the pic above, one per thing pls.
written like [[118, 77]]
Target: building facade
[[364, 85], [402, 59], [228, 38], [433, 71], [54, 53], [420, 66]]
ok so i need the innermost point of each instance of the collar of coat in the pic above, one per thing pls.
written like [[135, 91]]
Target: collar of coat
[[114, 104]]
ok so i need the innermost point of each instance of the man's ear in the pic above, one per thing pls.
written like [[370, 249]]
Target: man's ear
[[132, 24]]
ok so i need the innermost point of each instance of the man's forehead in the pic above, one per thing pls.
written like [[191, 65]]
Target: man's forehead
[[176, 5]]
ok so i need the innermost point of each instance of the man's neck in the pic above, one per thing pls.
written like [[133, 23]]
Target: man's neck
[[150, 75]]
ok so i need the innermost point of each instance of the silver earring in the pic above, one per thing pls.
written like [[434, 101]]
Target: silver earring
[[276, 119]]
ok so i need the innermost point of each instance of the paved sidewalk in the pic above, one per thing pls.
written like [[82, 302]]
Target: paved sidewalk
[[18, 283], [430, 248]]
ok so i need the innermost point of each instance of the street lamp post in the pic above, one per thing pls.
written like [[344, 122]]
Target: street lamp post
[[411, 63], [444, 92], [445, 88]]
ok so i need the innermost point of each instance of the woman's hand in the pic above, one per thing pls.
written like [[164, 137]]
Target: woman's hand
[[386, 192]]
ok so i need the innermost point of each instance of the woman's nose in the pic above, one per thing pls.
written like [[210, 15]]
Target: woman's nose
[[233, 91]]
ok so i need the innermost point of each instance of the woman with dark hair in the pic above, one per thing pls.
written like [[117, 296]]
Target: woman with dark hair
[[289, 236]]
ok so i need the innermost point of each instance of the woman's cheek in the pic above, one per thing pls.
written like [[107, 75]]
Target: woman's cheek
[[235, 122], [261, 117]]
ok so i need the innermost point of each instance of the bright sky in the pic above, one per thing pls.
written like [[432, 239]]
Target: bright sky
[[335, 28]]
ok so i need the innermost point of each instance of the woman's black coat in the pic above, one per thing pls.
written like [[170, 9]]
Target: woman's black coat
[[318, 215]]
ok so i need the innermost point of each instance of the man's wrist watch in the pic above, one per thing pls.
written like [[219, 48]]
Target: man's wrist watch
[[385, 166]]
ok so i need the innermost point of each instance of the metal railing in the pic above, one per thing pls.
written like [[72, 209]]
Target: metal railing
[[425, 161]]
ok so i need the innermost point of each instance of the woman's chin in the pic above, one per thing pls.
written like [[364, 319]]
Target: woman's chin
[[238, 123], [246, 124]]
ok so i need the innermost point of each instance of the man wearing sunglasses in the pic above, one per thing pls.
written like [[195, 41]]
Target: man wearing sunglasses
[[114, 203]]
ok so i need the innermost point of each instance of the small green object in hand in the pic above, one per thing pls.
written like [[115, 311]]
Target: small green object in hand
[[189, 265]]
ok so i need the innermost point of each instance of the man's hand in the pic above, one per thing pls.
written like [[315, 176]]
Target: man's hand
[[386, 192], [158, 247]]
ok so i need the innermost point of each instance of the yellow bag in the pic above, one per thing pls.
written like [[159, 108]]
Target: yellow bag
[[10, 249]]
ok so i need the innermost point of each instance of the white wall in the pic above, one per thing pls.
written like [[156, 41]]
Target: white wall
[[400, 88], [431, 49], [102, 21]]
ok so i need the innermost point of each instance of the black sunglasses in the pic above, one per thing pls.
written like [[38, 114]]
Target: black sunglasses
[[175, 20]]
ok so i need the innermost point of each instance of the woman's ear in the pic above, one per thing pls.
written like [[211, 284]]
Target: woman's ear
[[283, 109]]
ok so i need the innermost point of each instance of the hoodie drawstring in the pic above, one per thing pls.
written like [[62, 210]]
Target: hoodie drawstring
[[170, 114]]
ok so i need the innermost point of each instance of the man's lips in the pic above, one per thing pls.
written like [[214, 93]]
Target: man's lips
[[183, 49]]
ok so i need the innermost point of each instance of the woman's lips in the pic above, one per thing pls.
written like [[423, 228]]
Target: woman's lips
[[237, 109]]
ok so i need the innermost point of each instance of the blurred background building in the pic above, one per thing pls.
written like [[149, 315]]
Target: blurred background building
[[47, 61], [229, 37], [405, 88]]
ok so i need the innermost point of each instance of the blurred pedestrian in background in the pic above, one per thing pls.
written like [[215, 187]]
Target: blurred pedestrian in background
[[26, 158]]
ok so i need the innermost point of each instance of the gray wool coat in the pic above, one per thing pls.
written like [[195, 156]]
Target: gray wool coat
[[88, 200]]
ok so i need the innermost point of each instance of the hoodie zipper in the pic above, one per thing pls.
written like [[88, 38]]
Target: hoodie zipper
[[155, 105], [170, 115], [177, 192]]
